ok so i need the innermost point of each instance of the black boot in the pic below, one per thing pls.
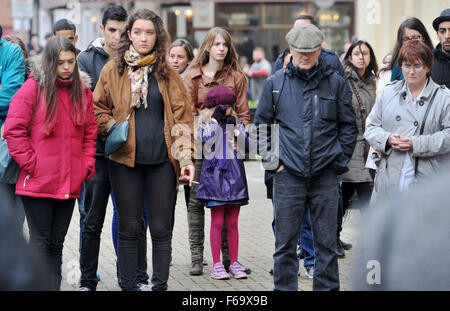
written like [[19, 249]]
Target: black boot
[[339, 250]]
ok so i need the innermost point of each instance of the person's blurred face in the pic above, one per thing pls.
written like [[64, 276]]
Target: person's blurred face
[[68, 34], [414, 73], [257, 56], [143, 36], [443, 34], [178, 58], [219, 49], [305, 61], [66, 64], [411, 34], [111, 32], [301, 22], [35, 41], [360, 57]]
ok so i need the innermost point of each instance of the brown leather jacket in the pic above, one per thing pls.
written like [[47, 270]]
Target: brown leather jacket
[[198, 85], [112, 98]]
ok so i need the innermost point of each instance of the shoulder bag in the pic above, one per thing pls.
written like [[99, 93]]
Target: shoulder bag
[[117, 136], [363, 112]]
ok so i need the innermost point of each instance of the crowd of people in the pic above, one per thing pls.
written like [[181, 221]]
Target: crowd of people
[[348, 132]]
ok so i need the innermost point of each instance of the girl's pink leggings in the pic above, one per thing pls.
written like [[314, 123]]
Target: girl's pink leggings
[[231, 221]]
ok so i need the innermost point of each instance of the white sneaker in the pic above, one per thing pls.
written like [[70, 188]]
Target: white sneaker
[[144, 287], [84, 289]]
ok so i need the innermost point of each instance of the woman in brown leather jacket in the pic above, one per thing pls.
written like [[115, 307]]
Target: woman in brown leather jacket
[[142, 84], [216, 63]]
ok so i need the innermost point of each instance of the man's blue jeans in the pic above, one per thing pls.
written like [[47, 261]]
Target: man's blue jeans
[[306, 239], [291, 195]]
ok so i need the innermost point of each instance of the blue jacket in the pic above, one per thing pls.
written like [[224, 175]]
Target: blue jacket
[[315, 118], [396, 73], [328, 56], [12, 74], [217, 182]]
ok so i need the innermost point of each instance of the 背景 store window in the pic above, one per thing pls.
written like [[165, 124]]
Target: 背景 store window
[[266, 24]]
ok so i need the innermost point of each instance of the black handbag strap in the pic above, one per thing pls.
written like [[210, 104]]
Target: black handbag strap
[[422, 127]]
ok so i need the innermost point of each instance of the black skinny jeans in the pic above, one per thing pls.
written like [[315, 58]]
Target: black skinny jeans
[[48, 222], [156, 184], [97, 191]]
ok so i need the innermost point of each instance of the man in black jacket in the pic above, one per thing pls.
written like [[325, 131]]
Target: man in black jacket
[[316, 138], [441, 66], [98, 188]]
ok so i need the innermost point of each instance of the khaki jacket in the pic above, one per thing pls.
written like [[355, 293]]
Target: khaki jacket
[[198, 85], [112, 98], [357, 171]]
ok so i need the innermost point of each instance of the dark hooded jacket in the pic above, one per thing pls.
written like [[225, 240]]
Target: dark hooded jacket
[[441, 67], [314, 112], [92, 60]]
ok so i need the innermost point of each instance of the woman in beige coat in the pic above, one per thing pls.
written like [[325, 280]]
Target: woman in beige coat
[[361, 69], [409, 124]]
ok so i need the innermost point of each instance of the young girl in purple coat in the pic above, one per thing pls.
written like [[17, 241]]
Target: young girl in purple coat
[[223, 183]]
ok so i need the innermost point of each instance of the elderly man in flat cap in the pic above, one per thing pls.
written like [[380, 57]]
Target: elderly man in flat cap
[[312, 107], [441, 66]]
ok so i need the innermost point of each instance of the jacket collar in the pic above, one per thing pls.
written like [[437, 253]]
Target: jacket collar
[[321, 70], [197, 72], [97, 46], [426, 92], [438, 53]]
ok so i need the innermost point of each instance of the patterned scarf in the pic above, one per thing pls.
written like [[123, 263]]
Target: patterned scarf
[[138, 70]]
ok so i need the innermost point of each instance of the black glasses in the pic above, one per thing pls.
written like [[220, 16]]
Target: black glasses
[[406, 39]]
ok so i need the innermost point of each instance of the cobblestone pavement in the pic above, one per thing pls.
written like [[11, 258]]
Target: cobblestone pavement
[[255, 249]]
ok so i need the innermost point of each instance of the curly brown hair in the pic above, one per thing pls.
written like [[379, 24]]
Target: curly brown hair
[[162, 68]]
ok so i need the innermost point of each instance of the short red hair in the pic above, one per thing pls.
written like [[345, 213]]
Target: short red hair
[[415, 50]]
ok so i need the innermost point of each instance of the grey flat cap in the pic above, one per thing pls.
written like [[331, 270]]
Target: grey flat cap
[[305, 38]]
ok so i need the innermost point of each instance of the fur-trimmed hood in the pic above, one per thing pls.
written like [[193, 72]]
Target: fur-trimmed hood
[[37, 72]]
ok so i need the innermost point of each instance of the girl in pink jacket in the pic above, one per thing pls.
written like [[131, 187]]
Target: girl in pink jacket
[[52, 138]]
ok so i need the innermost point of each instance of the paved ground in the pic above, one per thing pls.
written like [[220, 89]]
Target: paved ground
[[255, 251]]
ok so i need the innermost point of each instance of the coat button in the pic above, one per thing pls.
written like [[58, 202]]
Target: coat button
[[416, 123], [421, 102], [66, 196], [398, 118]]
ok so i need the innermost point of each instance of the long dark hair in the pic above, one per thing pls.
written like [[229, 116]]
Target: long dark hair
[[411, 23], [50, 57], [372, 68], [161, 68]]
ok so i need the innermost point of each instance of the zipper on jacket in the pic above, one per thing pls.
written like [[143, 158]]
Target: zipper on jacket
[[25, 180], [314, 115]]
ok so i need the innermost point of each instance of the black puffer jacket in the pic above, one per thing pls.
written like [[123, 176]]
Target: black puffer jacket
[[441, 67], [317, 127], [92, 60]]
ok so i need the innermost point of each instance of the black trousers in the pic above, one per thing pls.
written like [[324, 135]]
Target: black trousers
[[48, 222], [97, 191], [364, 191], [156, 184]]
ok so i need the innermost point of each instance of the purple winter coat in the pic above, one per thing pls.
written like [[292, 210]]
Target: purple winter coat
[[223, 177]]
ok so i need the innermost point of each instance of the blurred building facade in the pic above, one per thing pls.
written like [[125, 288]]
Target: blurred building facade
[[251, 23]]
